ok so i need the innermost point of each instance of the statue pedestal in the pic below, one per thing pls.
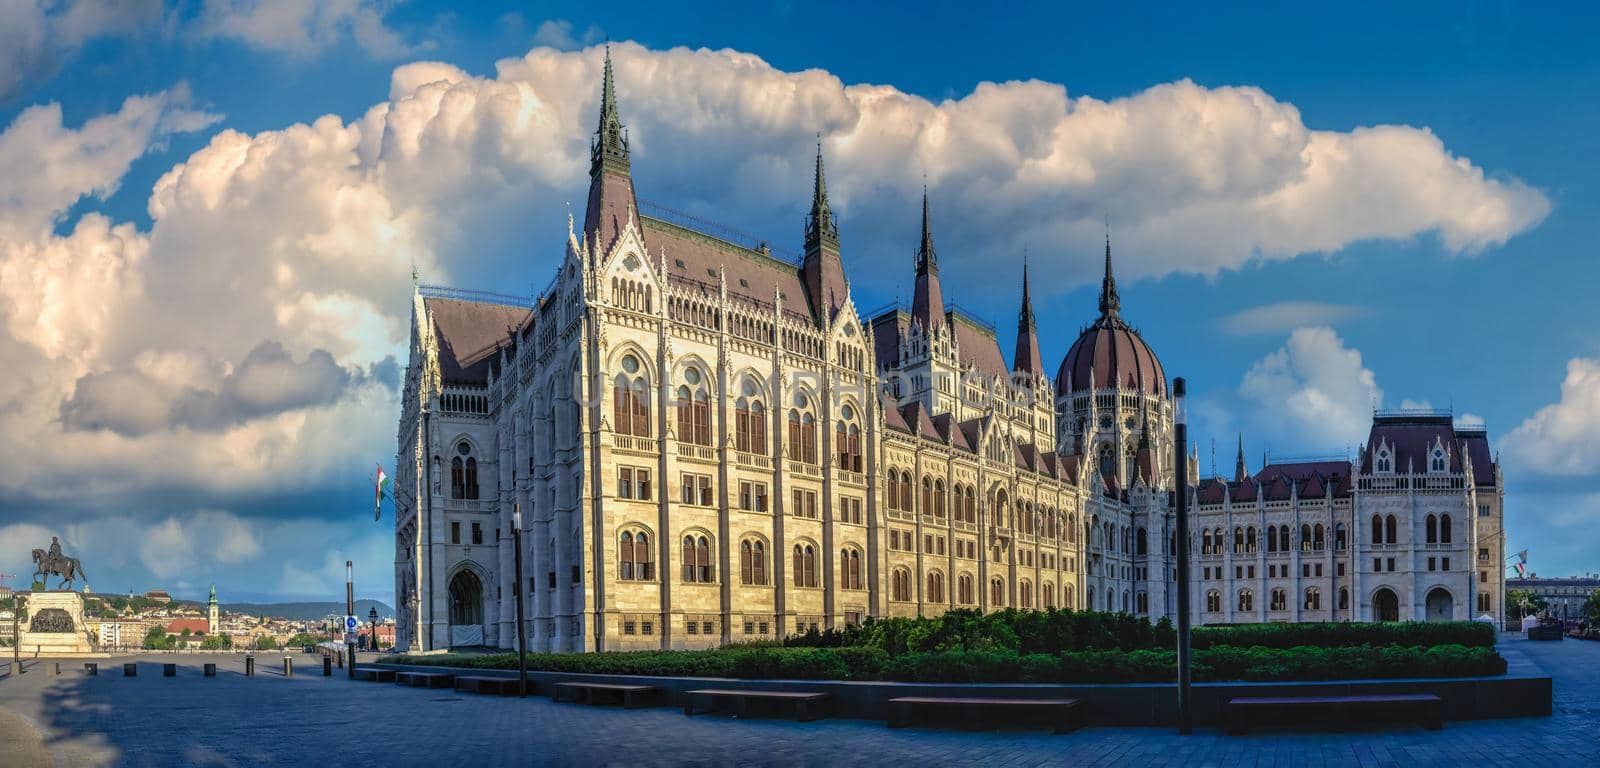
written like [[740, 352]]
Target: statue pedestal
[[43, 608]]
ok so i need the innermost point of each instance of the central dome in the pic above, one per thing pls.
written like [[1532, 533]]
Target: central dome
[[1110, 354]]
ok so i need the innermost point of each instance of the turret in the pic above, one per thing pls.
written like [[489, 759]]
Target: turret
[[822, 268], [1027, 360], [612, 203], [927, 303]]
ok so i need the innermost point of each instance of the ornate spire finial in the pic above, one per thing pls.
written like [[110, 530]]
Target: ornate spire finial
[[1110, 302], [820, 226], [611, 141], [1239, 470], [1027, 300], [927, 259]]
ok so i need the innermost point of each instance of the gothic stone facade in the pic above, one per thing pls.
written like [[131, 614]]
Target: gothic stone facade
[[705, 443]]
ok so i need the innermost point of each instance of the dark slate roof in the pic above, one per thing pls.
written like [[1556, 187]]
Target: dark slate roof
[[1477, 443], [951, 431], [1244, 490], [470, 334], [694, 258], [972, 429], [1212, 490], [893, 419], [1411, 435], [979, 347], [887, 329]]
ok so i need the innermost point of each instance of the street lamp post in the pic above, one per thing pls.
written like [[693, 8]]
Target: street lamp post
[[1181, 498], [517, 592], [350, 610], [16, 634], [372, 616]]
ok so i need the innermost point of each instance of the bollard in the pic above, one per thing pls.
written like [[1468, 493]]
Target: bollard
[[16, 668], [211, 670], [249, 666], [288, 666], [91, 669], [55, 668], [169, 670], [327, 666], [341, 659], [130, 670]]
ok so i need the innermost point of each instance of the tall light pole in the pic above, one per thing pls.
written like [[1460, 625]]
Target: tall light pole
[[1181, 498], [518, 593], [350, 610], [372, 616], [16, 634]]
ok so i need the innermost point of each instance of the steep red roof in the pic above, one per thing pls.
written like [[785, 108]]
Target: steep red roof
[[979, 347], [195, 626], [887, 329], [1410, 436], [695, 258]]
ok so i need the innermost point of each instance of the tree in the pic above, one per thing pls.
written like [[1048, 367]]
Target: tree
[[212, 643], [1525, 601], [1591, 608], [157, 639], [266, 643]]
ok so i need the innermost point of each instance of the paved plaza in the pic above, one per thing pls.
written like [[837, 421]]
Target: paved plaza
[[231, 720]]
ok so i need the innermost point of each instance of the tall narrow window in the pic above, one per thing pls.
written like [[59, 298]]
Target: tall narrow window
[[1433, 529], [1390, 527], [1444, 529], [458, 479]]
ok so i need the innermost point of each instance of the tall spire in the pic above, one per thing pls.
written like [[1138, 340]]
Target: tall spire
[[927, 302], [1027, 357], [610, 146], [1239, 471], [1110, 303], [822, 269], [612, 203]]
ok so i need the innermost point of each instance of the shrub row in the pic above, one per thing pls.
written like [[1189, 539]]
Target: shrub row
[[1219, 663], [1053, 632]]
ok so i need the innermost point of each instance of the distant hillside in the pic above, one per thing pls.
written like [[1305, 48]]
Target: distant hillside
[[306, 611]]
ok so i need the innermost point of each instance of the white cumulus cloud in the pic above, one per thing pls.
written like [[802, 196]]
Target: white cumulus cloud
[[1560, 438], [1285, 316], [1313, 393], [302, 27]]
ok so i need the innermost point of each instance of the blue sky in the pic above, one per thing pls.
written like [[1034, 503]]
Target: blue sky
[[165, 269]]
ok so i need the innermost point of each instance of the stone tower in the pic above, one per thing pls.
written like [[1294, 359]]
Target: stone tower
[[213, 616]]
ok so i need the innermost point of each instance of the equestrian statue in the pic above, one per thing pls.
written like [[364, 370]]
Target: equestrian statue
[[53, 562]]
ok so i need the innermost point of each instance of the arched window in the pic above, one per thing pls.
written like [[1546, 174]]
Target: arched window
[[1377, 530], [1246, 600], [1389, 530], [964, 589], [1066, 597], [891, 489], [458, 478], [1088, 598], [1250, 539], [1143, 544], [847, 439], [753, 562], [900, 585], [1280, 601], [802, 431], [472, 478], [938, 499], [466, 599], [1141, 603], [1025, 594], [1107, 468], [849, 568], [1205, 542], [972, 505], [1238, 540], [630, 401], [697, 559], [935, 587], [926, 502], [635, 558], [1283, 538], [1433, 529], [1272, 538], [1444, 529], [694, 409], [1047, 595], [750, 424], [805, 565], [1318, 538], [997, 592], [1313, 599], [1213, 601], [1344, 598], [1305, 537], [1339, 539]]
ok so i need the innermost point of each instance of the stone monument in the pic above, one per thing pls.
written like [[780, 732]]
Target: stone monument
[[55, 616]]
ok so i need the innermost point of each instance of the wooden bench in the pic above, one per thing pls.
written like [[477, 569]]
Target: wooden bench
[[425, 679], [1065, 715], [1426, 707], [500, 686], [375, 675], [807, 705], [627, 695]]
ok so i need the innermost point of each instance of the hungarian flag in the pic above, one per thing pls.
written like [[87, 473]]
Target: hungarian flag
[[378, 490], [1522, 570]]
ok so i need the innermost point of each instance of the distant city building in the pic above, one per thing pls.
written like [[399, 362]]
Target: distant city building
[[1563, 596], [213, 615], [159, 596], [711, 443]]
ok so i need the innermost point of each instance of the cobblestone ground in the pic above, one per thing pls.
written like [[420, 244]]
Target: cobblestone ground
[[231, 720]]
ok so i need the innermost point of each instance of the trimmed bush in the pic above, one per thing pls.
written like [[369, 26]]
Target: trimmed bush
[[1346, 634], [1005, 665]]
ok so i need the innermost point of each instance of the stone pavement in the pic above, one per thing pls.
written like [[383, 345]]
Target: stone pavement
[[232, 720]]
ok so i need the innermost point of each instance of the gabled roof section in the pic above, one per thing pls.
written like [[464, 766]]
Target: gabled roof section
[[1410, 435], [470, 333], [892, 418], [979, 347], [697, 259], [887, 328], [1476, 440]]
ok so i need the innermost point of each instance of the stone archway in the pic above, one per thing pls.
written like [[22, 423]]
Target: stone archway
[[1385, 605], [1440, 604], [466, 609]]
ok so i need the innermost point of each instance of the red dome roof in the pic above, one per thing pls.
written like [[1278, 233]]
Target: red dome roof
[[1110, 351], [1117, 357]]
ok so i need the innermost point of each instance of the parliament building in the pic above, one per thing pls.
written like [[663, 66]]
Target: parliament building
[[707, 442]]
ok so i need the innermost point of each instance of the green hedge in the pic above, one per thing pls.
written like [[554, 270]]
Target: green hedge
[[1053, 631], [1347, 634], [1221, 663]]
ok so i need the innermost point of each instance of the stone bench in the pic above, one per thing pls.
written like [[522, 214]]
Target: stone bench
[[425, 679], [375, 675], [1064, 714], [627, 695], [1240, 713], [499, 686], [807, 705]]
